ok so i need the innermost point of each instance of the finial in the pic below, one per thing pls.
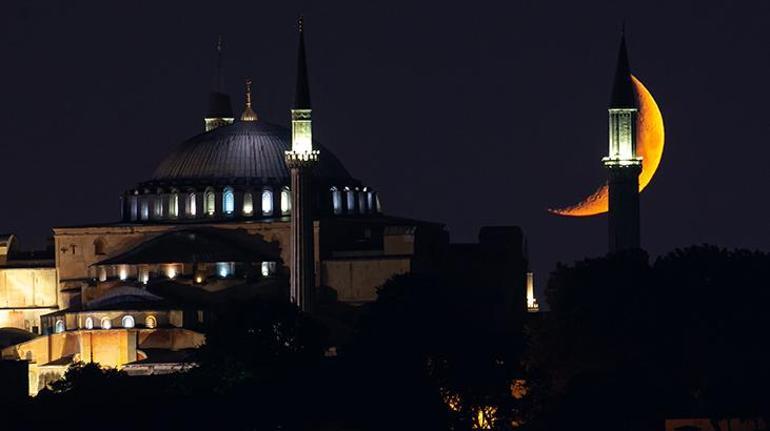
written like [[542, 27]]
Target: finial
[[248, 113], [300, 23]]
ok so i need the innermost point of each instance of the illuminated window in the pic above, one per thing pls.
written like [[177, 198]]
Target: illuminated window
[[144, 275], [171, 271], [228, 200], [191, 210], [268, 268], [248, 204], [127, 321], [370, 201], [144, 205], [173, 205], [362, 202], [102, 273], [133, 207], [89, 323], [336, 200], [377, 203], [211, 202], [285, 201], [158, 207], [123, 272], [351, 200], [150, 322], [225, 269], [106, 323], [267, 202], [59, 327]]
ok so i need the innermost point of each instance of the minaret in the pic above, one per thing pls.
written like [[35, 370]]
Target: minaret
[[622, 163], [220, 111], [301, 160]]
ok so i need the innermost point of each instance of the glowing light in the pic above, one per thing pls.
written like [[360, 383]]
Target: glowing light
[[106, 323], [267, 268], [123, 272], [211, 202], [248, 204], [59, 327], [128, 321], [225, 269], [267, 202], [650, 140], [89, 323], [228, 200], [199, 279], [302, 131], [285, 201], [191, 209], [532, 305], [171, 271], [150, 322]]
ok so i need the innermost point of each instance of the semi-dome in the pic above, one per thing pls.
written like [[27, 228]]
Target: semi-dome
[[252, 150]]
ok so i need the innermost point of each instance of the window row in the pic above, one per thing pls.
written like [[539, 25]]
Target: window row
[[126, 321], [191, 204], [199, 272], [354, 201]]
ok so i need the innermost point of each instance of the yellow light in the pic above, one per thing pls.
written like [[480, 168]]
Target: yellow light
[[171, 272], [123, 273]]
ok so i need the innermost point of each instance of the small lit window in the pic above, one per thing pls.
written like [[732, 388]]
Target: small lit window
[[267, 202], [144, 275], [378, 204], [228, 200], [59, 327], [89, 323], [123, 272], [106, 323], [150, 322], [145, 208], [248, 204], [171, 271], [351, 200], [191, 210], [211, 202], [285, 201], [128, 321], [336, 200], [370, 201], [173, 205], [133, 210], [225, 269], [158, 207], [102, 273], [268, 268]]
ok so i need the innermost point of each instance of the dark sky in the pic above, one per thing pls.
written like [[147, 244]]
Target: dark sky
[[469, 113]]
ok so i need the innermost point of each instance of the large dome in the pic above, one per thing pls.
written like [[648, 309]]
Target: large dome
[[244, 149]]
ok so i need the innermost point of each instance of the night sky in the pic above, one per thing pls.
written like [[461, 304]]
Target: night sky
[[471, 114]]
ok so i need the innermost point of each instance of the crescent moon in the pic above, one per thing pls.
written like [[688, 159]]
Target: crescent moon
[[650, 137]]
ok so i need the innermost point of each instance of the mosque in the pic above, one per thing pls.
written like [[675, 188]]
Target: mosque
[[246, 209]]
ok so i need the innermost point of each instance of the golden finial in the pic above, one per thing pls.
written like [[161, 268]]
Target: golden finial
[[248, 113]]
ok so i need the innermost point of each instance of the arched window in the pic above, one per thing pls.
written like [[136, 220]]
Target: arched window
[[89, 323], [267, 268], [191, 204], [133, 210], [362, 202], [350, 196], [285, 201], [378, 204], [370, 201], [102, 273], [127, 321], [144, 274], [228, 200], [267, 202], [173, 205], [158, 206], [211, 202], [248, 204], [150, 322], [99, 246], [59, 326], [336, 200], [225, 269], [144, 205], [106, 323]]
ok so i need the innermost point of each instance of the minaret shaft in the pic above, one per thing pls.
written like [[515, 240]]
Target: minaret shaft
[[302, 281]]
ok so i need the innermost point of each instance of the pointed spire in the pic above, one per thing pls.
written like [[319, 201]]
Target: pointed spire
[[623, 95], [219, 101], [248, 113], [302, 94]]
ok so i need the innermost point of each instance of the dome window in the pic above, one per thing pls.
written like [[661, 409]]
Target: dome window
[[248, 204], [89, 323], [267, 202], [106, 323], [128, 321], [370, 201], [151, 322], [133, 207], [59, 326], [211, 202], [228, 201], [145, 208], [285, 201], [336, 200], [362, 202], [158, 207], [191, 210], [351, 200], [173, 205]]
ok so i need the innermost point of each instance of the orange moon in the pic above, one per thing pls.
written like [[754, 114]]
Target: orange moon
[[649, 145]]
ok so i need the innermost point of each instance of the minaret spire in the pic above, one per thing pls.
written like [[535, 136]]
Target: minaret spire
[[248, 113], [622, 164], [301, 161], [220, 112]]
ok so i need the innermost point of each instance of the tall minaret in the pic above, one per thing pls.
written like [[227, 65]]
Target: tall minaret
[[220, 111], [622, 163], [301, 160]]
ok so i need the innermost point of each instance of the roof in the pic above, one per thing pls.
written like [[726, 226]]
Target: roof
[[11, 336], [244, 149], [623, 95], [165, 356], [198, 245]]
